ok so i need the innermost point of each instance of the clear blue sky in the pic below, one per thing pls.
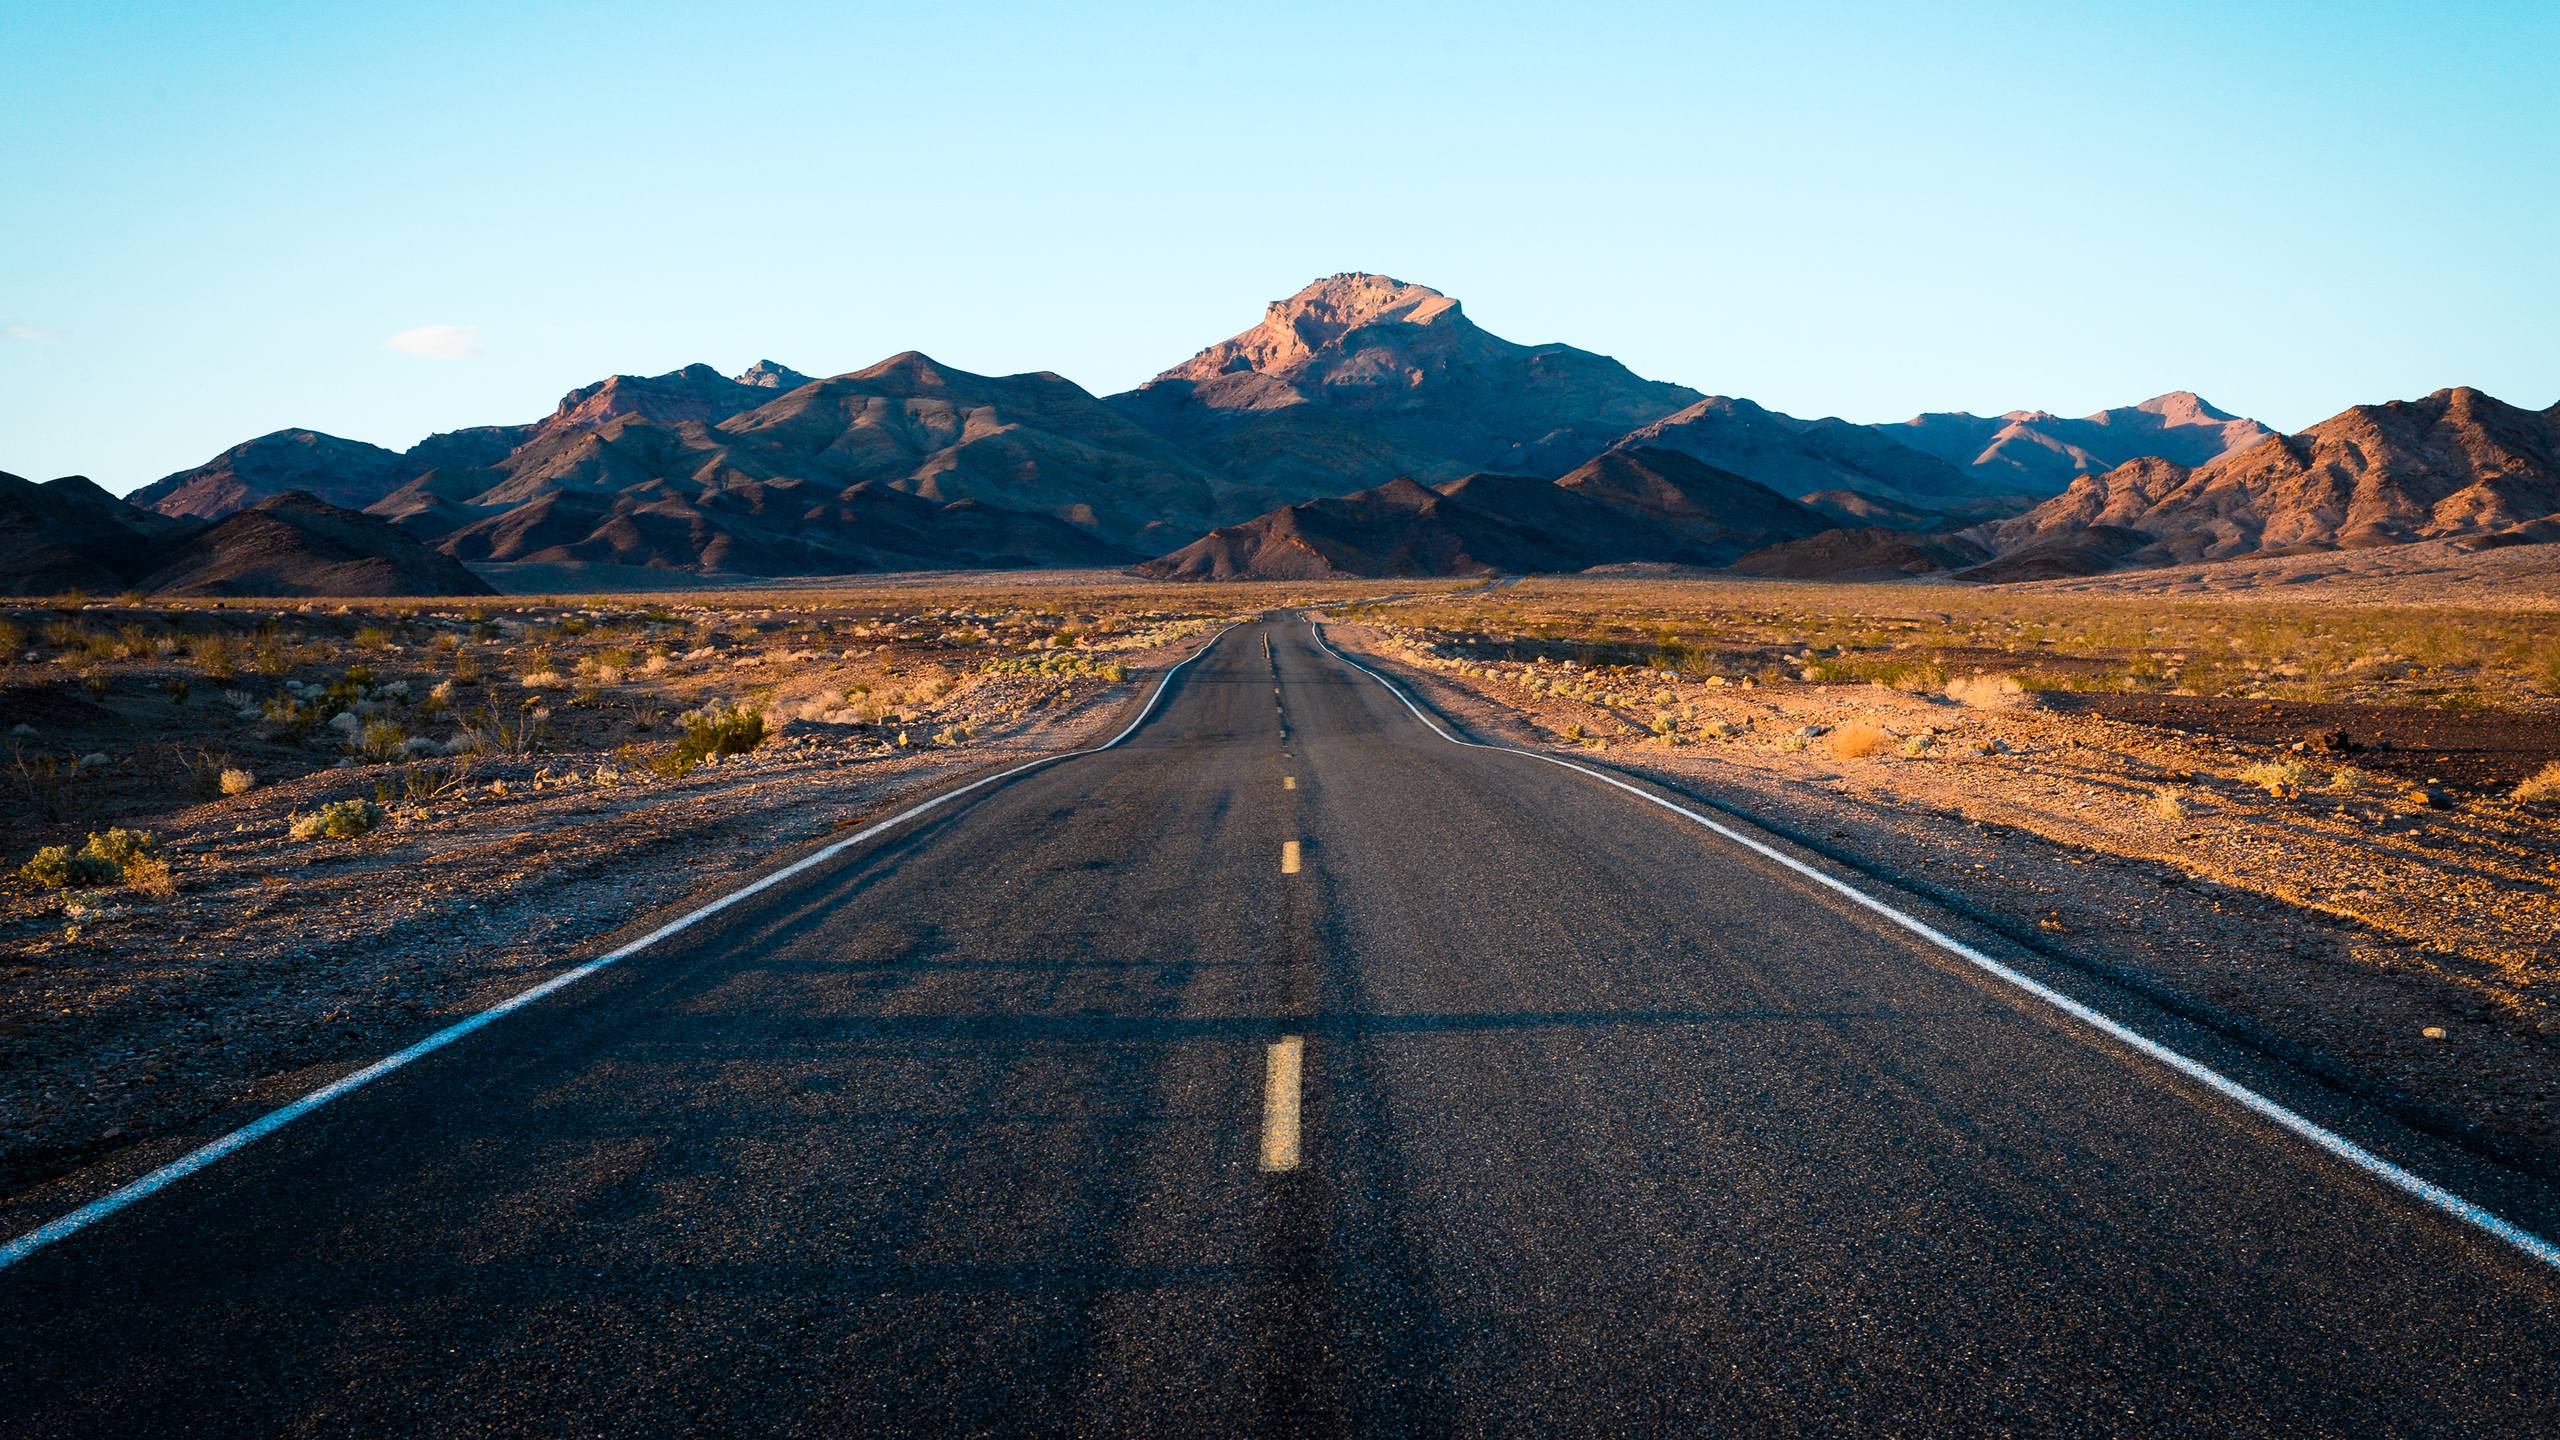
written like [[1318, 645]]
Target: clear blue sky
[[215, 217]]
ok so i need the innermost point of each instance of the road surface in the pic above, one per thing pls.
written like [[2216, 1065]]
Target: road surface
[[1286, 1068]]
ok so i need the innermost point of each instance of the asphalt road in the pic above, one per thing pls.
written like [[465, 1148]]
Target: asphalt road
[[1604, 1126]]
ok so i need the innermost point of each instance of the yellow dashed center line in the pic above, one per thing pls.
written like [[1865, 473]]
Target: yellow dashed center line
[[1288, 782], [1289, 857], [1280, 1104]]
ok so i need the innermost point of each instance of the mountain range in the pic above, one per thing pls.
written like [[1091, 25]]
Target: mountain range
[[1625, 505], [2455, 463], [1280, 451], [2039, 453], [1359, 379], [68, 534]]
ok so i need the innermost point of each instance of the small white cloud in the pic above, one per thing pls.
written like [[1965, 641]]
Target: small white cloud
[[34, 334], [439, 342]]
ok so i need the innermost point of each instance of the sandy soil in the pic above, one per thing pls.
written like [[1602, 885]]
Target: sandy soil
[[2401, 941]]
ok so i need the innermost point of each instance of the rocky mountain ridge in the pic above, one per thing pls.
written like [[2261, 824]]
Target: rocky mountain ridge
[[2454, 463], [1634, 505], [1355, 381], [2040, 452], [69, 534]]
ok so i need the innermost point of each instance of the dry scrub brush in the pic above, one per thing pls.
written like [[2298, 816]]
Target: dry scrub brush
[[1857, 740]]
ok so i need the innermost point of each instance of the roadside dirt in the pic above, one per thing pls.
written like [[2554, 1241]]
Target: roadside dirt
[[2401, 941], [2480, 753], [2428, 572]]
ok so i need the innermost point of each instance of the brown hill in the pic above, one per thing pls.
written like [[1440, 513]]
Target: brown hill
[[770, 473], [772, 375], [1855, 509], [1696, 514], [68, 534], [1624, 506], [356, 475], [1358, 377], [349, 473], [2091, 551], [1870, 552], [696, 392], [1037, 443], [783, 528], [2456, 463], [560, 451], [1034, 444], [1805, 457], [1399, 528], [298, 544], [2038, 453]]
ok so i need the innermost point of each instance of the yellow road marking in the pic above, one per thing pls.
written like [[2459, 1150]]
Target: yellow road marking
[[1280, 1104], [1288, 782], [1289, 857]]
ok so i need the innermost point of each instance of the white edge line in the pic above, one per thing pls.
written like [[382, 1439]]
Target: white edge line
[[274, 1120], [2327, 1139]]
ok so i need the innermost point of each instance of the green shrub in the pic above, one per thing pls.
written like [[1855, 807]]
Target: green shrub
[[151, 875], [712, 733], [337, 820], [216, 654], [109, 857], [2279, 778], [289, 716], [57, 867], [380, 740], [493, 732], [121, 847]]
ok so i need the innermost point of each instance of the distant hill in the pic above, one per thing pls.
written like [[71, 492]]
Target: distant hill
[[1624, 506], [696, 392], [1357, 380], [775, 529], [772, 375], [1038, 443], [298, 544], [2033, 452], [906, 464], [355, 475], [2456, 463], [1358, 377], [1854, 508], [69, 534], [1864, 553], [1806, 457], [348, 473]]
